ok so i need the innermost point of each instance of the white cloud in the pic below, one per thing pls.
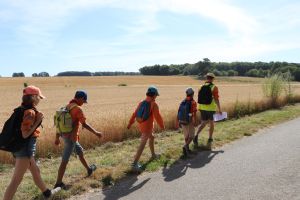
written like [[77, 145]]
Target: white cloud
[[249, 35], [40, 17]]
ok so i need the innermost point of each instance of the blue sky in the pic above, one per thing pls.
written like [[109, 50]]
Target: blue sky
[[124, 35]]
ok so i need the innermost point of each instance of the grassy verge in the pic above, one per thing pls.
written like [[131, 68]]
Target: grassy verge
[[113, 159]]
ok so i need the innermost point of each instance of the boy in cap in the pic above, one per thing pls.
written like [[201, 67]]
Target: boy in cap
[[150, 111], [71, 140], [187, 119]]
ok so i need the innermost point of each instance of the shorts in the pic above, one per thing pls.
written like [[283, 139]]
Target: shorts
[[188, 130], [70, 147], [146, 136], [28, 150], [207, 115]]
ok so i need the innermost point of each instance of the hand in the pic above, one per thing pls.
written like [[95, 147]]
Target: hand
[[220, 112], [39, 117], [57, 142], [98, 134]]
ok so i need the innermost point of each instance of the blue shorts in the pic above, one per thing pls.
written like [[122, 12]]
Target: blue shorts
[[28, 150], [69, 148]]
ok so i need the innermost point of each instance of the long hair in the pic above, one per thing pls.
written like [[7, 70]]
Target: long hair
[[27, 101]]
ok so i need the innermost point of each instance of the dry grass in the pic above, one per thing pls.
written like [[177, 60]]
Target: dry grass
[[110, 105]]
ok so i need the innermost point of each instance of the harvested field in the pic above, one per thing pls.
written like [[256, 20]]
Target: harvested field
[[110, 106]]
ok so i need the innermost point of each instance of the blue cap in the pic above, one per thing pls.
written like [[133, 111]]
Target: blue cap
[[81, 94], [152, 90]]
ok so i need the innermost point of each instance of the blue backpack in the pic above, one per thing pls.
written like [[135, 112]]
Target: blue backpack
[[143, 112], [184, 111]]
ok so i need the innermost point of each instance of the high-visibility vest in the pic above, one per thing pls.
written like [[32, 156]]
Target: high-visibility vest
[[209, 107]]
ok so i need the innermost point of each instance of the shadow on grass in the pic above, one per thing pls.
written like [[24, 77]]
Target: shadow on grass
[[124, 188], [180, 167]]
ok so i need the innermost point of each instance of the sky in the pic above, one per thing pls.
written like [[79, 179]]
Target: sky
[[125, 35]]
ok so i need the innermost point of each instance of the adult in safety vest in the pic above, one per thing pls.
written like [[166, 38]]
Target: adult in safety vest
[[208, 105]]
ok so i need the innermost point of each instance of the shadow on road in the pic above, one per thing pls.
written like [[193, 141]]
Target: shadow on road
[[123, 188], [180, 167]]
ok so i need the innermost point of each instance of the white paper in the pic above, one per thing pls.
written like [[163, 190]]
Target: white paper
[[220, 117]]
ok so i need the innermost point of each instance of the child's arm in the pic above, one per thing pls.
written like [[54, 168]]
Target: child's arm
[[92, 130], [132, 119], [158, 117], [194, 112]]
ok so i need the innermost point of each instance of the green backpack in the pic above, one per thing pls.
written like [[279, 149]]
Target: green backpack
[[63, 120]]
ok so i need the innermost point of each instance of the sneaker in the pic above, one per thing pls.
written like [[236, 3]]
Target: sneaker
[[60, 185], [91, 169], [136, 167], [195, 140], [47, 193], [209, 143], [53, 191]]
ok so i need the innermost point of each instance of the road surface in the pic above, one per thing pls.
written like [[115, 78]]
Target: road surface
[[263, 166]]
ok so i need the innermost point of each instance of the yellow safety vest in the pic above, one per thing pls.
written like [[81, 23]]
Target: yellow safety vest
[[209, 107]]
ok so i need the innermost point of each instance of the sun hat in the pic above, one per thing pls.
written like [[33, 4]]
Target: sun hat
[[33, 90]]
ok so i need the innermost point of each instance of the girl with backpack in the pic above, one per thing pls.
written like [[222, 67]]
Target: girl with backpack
[[145, 114], [31, 120]]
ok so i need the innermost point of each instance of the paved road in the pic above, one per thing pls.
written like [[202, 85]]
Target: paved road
[[263, 166]]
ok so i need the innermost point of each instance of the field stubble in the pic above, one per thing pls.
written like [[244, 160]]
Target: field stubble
[[110, 106]]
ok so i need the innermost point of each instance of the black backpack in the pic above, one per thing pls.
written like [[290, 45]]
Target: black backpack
[[205, 95], [11, 138]]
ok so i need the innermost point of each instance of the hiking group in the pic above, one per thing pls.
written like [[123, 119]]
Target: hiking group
[[20, 132]]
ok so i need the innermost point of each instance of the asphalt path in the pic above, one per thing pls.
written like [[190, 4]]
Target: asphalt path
[[263, 166]]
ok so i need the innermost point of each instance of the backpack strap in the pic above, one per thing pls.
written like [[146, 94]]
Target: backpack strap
[[71, 106]]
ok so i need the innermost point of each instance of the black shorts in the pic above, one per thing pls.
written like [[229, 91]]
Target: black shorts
[[207, 115]]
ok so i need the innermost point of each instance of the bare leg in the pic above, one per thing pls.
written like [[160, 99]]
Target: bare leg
[[211, 128], [61, 171], [21, 167], [36, 175], [83, 161], [200, 128], [140, 149], [151, 146]]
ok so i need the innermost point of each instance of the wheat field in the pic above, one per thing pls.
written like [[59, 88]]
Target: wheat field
[[110, 105]]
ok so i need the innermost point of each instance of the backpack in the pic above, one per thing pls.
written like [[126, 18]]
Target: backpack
[[143, 112], [63, 120], [11, 138], [184, 112], [205, 95]]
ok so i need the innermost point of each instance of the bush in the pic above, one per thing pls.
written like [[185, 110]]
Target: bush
[[273, 88], [232, 73], [297, 75]]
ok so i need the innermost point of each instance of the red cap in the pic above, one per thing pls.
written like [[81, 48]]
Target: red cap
[[32, 90]]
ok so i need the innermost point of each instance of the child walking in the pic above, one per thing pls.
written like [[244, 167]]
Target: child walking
[[32, 119], [71, 140], [187, 119], [145, 113]]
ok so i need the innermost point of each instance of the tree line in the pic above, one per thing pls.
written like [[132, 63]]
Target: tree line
[[251, 69], [78, 73]]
